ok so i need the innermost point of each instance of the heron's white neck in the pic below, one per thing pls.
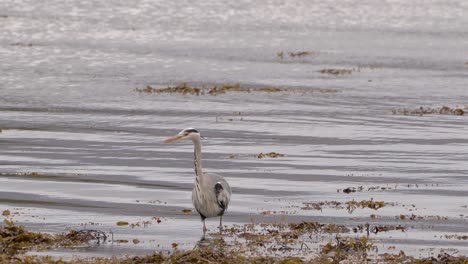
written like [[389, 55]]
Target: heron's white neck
[[197, 161]]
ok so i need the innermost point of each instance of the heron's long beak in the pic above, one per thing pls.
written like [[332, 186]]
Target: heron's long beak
[[172, 139]]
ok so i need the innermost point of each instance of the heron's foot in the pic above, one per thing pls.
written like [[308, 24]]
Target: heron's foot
[[203, 242]]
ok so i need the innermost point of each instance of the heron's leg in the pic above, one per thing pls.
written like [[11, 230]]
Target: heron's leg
[[220, 223], [204, 230]]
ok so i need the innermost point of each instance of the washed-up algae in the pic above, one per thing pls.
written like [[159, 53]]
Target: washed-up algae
[[349, 205], [16, 239], [183, 88], [336, 71], [250, 243], [444, 110], [215, 90], [262, 155], [293, 55]]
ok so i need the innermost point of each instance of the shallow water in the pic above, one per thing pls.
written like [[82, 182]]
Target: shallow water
[[69, 113]]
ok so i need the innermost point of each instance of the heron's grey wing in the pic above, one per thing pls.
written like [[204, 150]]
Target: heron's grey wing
[[222, 196]]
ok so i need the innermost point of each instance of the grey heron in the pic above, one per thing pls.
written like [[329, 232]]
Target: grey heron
[[211, 193]]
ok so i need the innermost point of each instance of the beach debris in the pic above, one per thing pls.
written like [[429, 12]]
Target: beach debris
[[186, 211], [6, 212], [444, 110], [136, 241], [262, 155], [122, 223]]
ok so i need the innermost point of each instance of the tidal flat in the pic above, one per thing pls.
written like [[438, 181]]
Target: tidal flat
[[343, 137]]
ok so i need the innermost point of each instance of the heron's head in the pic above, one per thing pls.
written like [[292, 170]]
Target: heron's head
[[188, 133]]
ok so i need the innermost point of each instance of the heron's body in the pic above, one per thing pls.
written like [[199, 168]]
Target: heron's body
[[211, 193], [209, 199]]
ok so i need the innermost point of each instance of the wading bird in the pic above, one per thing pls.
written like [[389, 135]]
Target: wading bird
[[211, 193]]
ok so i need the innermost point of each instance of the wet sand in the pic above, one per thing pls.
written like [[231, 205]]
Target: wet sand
[[79, 147]]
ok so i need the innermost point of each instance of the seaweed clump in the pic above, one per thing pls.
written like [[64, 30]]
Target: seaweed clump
[[122, 223], [214, 90], [182, 88], [226, 88], [348, 190], [403, 258], [270, 89], [216, 252], [186, 210], [459, 237], [299, 54], [320, 205], [262, 155], [336, 71], [350, 205], [444, 110], [185, 89], [348, 248], [316, 227], [16, 239]]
